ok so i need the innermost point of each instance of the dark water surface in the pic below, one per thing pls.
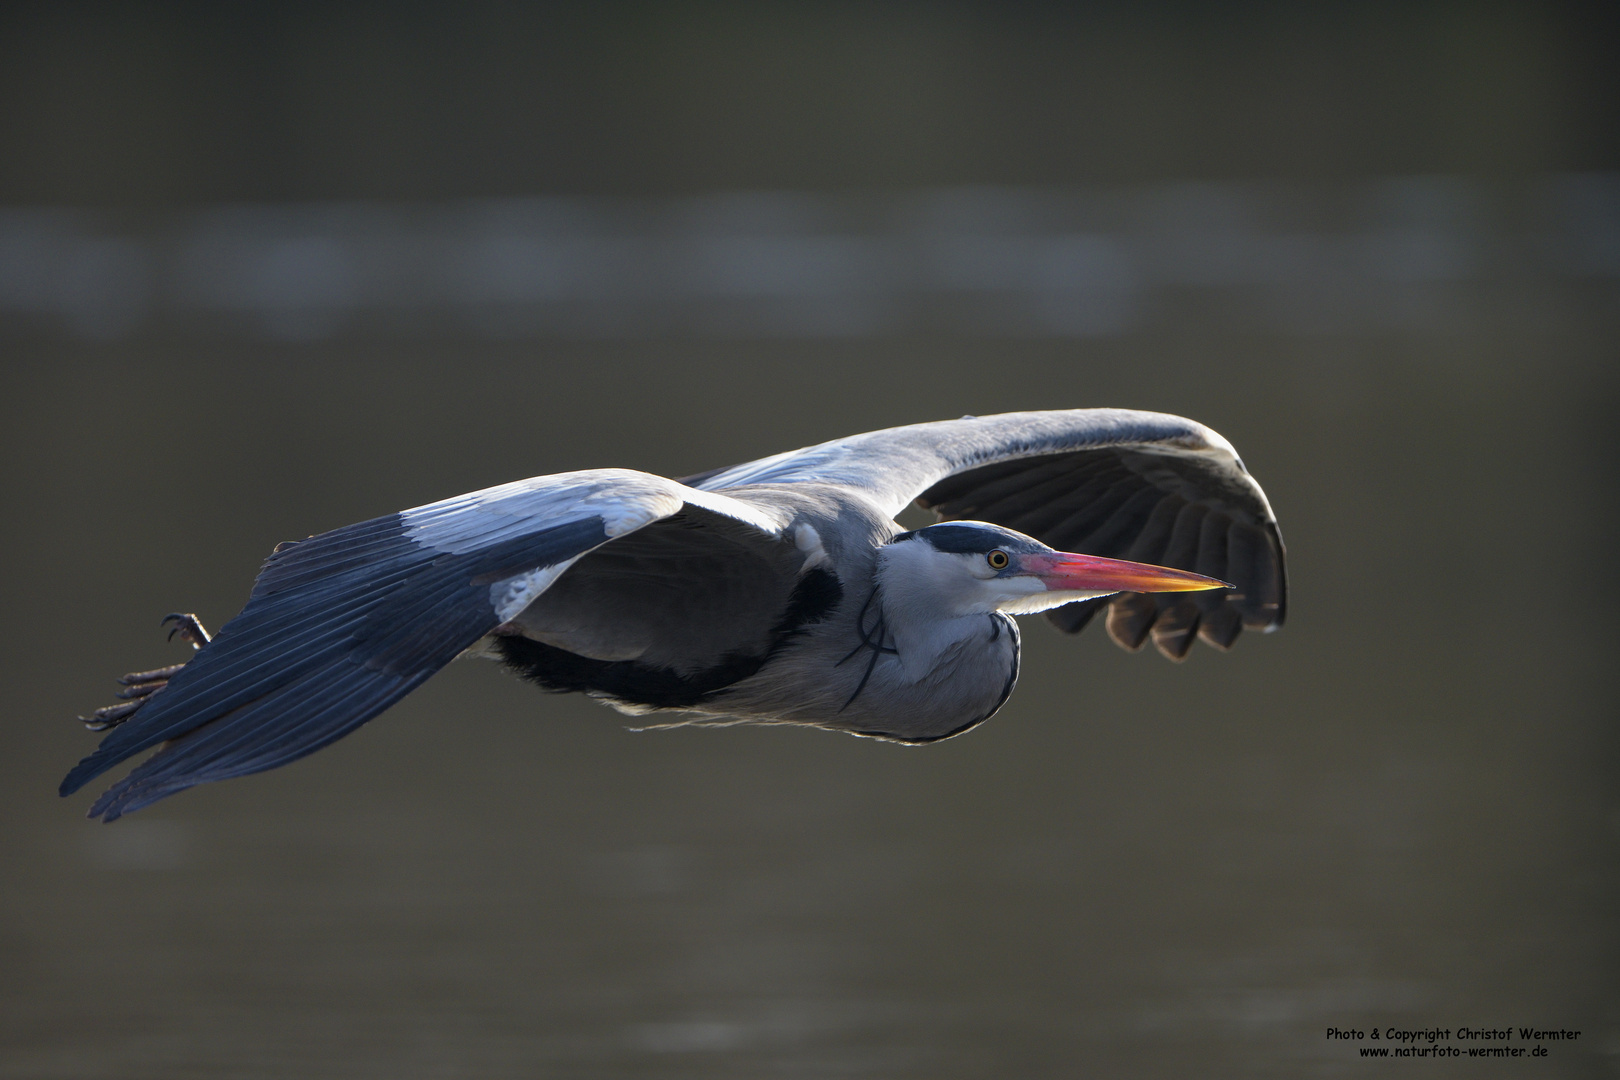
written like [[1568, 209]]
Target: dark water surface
[[1399, 811], [268, 269]]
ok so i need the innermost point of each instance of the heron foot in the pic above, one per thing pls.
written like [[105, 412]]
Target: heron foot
[[139, 686], [189, 627]]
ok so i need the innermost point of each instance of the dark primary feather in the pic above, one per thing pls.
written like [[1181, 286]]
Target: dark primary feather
[[1177, 510], [337, 629]]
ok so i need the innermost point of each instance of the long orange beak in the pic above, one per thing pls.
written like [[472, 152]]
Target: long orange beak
[[1062, 572]]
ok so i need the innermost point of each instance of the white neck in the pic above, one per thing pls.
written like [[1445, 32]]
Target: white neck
[[926, 607]]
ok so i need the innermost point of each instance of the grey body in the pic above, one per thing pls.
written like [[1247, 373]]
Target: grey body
[[687, 590], [780, 591]]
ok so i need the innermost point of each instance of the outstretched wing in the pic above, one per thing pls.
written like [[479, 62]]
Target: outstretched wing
[[1130, 485], [342, 625]]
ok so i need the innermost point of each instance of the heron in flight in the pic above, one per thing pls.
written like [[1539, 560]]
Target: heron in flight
[[780, 591]]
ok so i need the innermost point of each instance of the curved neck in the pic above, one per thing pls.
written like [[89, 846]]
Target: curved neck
[[921, 619]]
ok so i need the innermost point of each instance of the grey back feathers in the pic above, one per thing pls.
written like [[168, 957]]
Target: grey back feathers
[[753, 594]]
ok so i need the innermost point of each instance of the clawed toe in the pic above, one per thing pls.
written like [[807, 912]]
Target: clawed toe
[[143, 684], [139, 686], [188, 627], [134, 695], [136, 679], [109, 716]]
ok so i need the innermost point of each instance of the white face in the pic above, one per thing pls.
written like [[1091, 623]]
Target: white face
[[945, 584], [1045, 599]]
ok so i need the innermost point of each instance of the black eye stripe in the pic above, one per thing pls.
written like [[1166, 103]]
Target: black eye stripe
[[972, 538], [959, 539]]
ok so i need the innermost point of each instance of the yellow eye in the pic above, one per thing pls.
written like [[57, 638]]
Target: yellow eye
[[997, 560]]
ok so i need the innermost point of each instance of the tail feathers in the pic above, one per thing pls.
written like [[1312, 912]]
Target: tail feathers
[[284, 725]]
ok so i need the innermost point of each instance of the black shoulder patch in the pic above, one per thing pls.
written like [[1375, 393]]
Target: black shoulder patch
[[816, 594]]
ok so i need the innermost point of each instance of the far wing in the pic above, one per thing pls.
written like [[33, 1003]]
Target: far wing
[[1144, 486], [342, 625]]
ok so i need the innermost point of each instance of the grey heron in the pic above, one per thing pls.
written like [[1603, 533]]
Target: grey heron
[[777, 591]]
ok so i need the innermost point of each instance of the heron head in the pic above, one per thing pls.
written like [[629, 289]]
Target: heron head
[[972, 567]]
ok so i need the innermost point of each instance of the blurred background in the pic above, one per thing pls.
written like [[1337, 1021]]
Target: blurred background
[[269, 269]]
